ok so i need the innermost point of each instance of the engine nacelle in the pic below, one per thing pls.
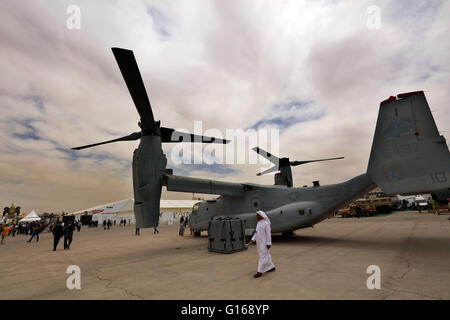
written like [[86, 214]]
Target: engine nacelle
[[149, 164]]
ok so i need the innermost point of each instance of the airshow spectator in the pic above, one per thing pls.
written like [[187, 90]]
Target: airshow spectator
[[58, 232], [68, 234], [5, 232], [35, 229]]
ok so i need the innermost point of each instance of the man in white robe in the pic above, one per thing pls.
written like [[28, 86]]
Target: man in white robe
[[263, 240]]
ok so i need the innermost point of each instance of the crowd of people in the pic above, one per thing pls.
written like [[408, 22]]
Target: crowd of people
[[25, 228], [66, 229], [34, 228]]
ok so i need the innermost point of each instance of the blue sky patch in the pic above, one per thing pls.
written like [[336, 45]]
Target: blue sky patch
[[30, 133], [160, 22], [287, 114]]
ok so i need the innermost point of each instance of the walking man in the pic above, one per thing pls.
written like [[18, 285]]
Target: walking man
[[263, 240], [58, 232], [35, 232], [5, 232], [68, 234]]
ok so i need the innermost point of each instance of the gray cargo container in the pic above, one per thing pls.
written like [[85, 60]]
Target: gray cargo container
[[226, 235]]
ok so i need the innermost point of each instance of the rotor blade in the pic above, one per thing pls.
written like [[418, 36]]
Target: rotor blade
[[171, 135], [297, 163], [267, 155], [273, 169], [131, 137], [130, 72]]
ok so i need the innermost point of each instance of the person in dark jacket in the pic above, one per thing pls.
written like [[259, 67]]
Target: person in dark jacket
[[58, 232], [68, 233], [358, 211], [35, 232]]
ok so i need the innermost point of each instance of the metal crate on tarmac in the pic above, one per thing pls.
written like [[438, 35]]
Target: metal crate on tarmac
[[226, 235]]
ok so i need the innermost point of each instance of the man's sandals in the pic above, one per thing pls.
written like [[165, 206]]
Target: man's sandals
[[259, 274]]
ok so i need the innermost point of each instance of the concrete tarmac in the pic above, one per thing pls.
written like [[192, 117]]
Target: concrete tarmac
[[328, 261]]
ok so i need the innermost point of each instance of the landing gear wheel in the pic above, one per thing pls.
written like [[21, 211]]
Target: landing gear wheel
[[288, 233]]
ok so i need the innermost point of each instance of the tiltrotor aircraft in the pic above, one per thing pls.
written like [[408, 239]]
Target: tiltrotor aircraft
[[408, 156]]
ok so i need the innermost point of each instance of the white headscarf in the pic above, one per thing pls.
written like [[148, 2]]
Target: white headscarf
[[263, 215]]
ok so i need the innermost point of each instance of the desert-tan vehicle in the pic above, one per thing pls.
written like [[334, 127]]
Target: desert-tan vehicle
[[382, 205], [366, 210]]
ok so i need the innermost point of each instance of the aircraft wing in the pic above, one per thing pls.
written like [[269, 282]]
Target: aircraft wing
[[196, 185]]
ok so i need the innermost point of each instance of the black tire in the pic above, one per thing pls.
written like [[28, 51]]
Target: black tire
[[367, 214], [288, 233], [344, 215], [197, 233]]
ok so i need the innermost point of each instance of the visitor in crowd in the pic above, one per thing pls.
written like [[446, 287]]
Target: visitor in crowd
[[58, 232], [181, 232], [436, 206], [35, 229], [68, 234], [358, 211], [5, 232]]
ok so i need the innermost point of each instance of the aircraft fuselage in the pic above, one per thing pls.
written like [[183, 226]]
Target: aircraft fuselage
[[288, 209]]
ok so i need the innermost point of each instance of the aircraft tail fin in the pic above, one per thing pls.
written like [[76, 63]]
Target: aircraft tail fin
[[408, 154]]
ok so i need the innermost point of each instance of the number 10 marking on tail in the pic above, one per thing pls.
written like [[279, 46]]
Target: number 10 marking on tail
[[438, 177]]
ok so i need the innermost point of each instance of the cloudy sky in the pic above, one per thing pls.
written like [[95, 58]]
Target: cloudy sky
[[315, 70]]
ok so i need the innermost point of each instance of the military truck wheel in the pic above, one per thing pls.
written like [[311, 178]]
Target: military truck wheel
[[197, 233], [367, 214]]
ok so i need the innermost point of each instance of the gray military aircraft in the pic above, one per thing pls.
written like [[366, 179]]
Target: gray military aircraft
[[408, 156]]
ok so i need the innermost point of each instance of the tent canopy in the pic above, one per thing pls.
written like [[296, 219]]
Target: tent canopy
[[32, 216]]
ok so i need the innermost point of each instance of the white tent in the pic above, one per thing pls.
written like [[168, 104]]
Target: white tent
[[32, 216]]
